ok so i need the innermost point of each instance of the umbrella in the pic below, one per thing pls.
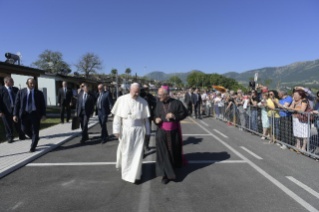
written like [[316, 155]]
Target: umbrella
[[219, 88]]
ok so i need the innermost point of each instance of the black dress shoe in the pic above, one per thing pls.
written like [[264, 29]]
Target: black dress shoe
[[104, 140], [10, 140], [82, 141], [32, 150], [22, 138], [165, 180]]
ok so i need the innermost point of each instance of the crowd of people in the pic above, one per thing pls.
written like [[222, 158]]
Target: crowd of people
[[273, 114]]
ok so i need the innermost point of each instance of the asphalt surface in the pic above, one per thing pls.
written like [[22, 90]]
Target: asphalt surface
[[221, 176]]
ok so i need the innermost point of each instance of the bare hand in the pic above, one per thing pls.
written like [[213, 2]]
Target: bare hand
[[170, 116], [116, 135], [43, 118], [59, 104], [158, 120], [75, 114], [1, 114], [15, 119], [71, 104]]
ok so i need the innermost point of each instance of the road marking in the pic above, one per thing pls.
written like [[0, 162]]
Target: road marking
[[216, 161], [185, 122], [113, 163], [196, 135], [290, 193], [310, 190], [225, 136], [72, 164], [204, 123], [192, 120], [250, 152]]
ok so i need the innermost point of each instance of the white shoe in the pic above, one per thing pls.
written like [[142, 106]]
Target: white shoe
[[283, 147], [263, 138]]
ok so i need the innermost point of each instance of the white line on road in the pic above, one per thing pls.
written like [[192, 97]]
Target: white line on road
[[113, 163], [290, 193], [204, 123], [72, 164], [196, 135], [225, 136], [310, 190], [250, 152], [216, 161]]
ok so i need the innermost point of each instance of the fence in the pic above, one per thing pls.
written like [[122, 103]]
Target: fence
[[296, 130]]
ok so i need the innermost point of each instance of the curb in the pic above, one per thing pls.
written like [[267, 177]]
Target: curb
[[39, 154]]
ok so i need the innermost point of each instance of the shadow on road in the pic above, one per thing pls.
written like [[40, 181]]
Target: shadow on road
[[192, 140], [183, 172]]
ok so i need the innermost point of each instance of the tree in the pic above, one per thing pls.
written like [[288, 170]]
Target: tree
[[52, 62], [128, 71], [114, 71], [88, 64], [175, 80]]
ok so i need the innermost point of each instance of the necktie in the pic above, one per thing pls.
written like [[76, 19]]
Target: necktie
[[84, 100], [64, 93], [99, 103], [30, 102], [12, 95]]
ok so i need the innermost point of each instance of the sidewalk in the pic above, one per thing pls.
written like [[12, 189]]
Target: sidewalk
[[15, 155]]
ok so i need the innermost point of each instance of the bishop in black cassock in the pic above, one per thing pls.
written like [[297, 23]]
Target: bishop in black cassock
[[169, 143]]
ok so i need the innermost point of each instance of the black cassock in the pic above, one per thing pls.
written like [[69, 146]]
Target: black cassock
[[169, 143]]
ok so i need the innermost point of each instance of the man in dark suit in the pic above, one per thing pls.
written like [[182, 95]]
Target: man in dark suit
[[252, 84], [7, 102], [84, 109], [30, 108], [197, 101], [104, 104], [189, 101], [65, 101], [145, 94]]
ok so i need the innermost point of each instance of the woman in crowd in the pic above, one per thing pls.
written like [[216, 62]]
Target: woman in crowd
[[285, 101], [253, 101], [273, 114], [220, 104], [239, 101], [264, 115], [301, 128]]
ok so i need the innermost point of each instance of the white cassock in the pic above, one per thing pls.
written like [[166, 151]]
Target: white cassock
[[131, 123]]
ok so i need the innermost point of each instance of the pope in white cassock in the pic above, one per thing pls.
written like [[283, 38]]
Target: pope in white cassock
[[131, 127]]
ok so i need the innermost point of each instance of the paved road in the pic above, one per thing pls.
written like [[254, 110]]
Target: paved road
[[229, 170]]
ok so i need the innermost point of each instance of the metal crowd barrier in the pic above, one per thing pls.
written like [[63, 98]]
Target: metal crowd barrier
[[287, 128]]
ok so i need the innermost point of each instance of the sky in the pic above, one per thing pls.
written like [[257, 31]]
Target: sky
[[164, 35]]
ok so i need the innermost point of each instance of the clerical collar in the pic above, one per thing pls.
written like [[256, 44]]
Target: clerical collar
[[165, 102]]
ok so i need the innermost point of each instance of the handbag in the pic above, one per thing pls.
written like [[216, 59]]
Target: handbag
[[75, 123], [304, 117]]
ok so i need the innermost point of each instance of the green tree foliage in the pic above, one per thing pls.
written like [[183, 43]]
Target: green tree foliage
[[88, 64], [198, 79], [52, 62], [114, 71], [128, 71], [175, 80]]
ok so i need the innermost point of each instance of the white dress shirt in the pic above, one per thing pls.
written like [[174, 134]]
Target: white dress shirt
[[33, 103]]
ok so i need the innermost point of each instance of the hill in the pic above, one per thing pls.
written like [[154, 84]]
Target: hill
[[161, 76], [296, 73]]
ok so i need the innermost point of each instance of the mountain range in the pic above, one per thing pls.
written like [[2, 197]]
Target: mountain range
[[306, 72]]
